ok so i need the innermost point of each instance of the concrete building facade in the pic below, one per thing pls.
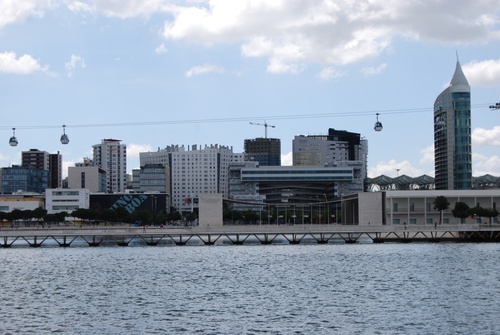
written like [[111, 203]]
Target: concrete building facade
[[92, 178], [194, 170], [111, 155], [151, 178], [66, 200], [414, 207]]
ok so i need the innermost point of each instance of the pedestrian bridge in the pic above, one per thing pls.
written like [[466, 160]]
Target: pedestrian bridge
[[241, 234]]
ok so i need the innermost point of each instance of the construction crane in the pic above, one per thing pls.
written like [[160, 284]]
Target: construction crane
[[263, 124]]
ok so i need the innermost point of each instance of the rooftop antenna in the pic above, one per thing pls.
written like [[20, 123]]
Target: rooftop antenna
[[263, 124]]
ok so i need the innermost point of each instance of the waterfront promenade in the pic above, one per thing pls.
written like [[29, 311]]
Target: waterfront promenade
[[94, 236]]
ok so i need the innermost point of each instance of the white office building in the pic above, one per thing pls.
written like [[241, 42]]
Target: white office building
[[194, 170], [111, 156], [66, 200]]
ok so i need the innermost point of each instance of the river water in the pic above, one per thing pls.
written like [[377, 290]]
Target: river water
[[252, 289]]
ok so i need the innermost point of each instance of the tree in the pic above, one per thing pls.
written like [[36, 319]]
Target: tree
[[483, 212], [109, 215], [461, 211], [174, 216], [441, 204], [38, 213]]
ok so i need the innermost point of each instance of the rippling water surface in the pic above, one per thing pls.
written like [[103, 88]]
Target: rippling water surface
[[275, 289]]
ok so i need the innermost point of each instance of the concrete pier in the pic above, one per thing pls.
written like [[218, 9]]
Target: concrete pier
[[240, 234]]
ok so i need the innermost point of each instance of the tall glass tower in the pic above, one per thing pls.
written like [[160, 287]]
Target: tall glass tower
[[452, 135]]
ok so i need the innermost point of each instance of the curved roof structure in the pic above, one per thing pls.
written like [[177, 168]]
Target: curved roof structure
[[424, 182]]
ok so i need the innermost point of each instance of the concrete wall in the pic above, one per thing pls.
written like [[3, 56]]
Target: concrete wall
[[370, 209], [210, 207]]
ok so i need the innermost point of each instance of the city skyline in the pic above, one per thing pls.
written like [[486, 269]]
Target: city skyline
[[157, 73]]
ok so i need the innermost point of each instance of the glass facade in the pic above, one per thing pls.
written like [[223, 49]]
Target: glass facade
[[452, 135], [24, 179]]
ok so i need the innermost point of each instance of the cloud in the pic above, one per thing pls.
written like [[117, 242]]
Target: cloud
[[204, 69], [25, 64], [125, 9], [293, 34], [330, 72], [427, 155], [17, 11], [483, 73], [485, 165], [391, 167], [133, 150], [79, 6], [371, 71], [287, 159], [161, 49], [486, 137], [74, 62]]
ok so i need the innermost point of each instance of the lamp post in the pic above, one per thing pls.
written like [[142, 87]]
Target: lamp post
[[327, 209]]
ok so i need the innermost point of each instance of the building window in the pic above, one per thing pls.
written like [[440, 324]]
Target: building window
[[395, 207], [395, 221], [412, 207]]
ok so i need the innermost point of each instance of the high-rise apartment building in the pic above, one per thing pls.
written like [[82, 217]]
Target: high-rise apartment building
[[194, 171], [42, 160], [55, 170], [452, 135], [266, 151], [35, 158], [111, 156]]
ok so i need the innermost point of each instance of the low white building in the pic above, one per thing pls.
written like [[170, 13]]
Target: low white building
[[413, 207], [66, 200], [21, 201]]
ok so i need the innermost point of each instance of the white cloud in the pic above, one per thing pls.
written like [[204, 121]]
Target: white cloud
[[125, 9], [204, 69], [483, 164], [287, 159], [13, 11], [427, 155], [374, 70], [483, 73], [161, 49], [391, 167], [133, 150], [486, 137], [330, 72], [25, 64], [74, 62], [292, 34], [79, 6]]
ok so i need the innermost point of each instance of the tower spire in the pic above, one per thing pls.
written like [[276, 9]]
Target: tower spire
[[458, 76]]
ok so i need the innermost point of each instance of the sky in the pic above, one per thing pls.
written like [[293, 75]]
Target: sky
[[153, 73]]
